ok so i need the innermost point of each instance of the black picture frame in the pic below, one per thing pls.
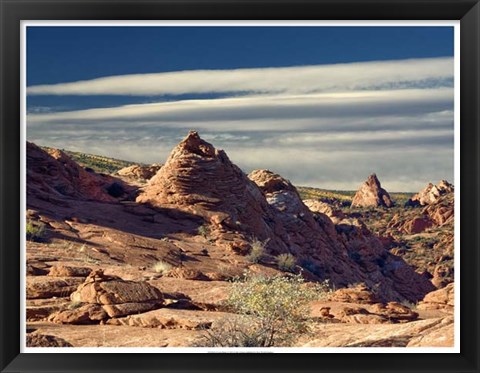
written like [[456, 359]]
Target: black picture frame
[[12, 12]]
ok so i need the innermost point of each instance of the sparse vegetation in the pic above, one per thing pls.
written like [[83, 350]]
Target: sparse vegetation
[[257, 251], [74, 305], [276, 307], [97, 163], [325, 195], [286, 262], [35, 231], [237, 332], [162, 267], [204, 231]]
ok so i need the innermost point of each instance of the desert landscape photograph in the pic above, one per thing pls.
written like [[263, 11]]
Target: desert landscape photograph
[[240, 188]]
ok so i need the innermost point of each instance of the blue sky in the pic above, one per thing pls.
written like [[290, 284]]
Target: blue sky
[[347, 101]]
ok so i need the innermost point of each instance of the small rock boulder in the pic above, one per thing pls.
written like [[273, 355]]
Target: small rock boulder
[[102, 289], [105, 296], [441, 299], [359, 294]]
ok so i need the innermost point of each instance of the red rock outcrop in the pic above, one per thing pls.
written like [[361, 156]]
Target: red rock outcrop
[[430, 194], [102, 296], [201, 180], [415, 225], [52, 175], [140, 172], [345, 253], [371, 194], [442, 299], [442, 211], [328, 209], [358, 294]]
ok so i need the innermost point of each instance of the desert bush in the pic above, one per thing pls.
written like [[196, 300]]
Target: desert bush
[[275, 307], [203, 230], [236, 332], [74, 305], [257, 251], [286, 262], [162, 267], [35, 231]]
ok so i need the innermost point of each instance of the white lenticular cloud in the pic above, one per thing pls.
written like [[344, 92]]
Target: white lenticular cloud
[[327, 105], [277, 80]]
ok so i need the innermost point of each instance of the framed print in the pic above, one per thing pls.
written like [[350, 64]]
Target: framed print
[[240, 186]]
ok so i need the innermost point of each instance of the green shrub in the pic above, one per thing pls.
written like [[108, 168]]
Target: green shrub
[[203, 230], [35, 231], [162, 267], [274, 307], [233, 332], [286, 262], [257, 251]]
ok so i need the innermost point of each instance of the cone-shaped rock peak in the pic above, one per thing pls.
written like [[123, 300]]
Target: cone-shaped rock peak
[[371, 194]]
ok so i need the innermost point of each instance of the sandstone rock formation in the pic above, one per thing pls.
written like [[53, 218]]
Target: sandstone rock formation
[[442, 299], [371, 194], [201, 180], [430, 194], [53, 174], [379, 313], [416, 224], [358, 294], [140, 172], [102, 296], [200, 214], [316, 206]]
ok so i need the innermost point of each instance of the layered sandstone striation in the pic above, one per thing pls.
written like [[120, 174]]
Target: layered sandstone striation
[[201, 180], [53, 175]]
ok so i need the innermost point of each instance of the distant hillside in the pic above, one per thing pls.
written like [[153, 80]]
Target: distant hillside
[[317, 193], [346, 195], [97, 163], [107, 165]]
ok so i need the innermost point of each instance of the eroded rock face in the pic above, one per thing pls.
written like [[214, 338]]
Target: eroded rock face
[[317, 206], [358, 294], [102, 296], [442, 211], [53, 175], [431, 194], [201, 180], [415, 225], [102, 289], [140, 172], [345, 253], [41, 340], [69, 271], [441, 299], [371, 194], [39, 287]]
